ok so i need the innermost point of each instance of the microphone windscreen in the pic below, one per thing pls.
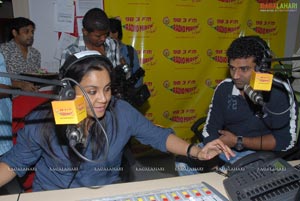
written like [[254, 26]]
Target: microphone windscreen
[[69, 111], [261, 81]]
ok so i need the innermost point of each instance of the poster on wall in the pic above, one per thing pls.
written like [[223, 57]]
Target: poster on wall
[[182, 47]]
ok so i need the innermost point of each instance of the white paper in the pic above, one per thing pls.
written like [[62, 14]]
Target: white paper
[[82, 6], [64, 41], [64, 16], [45, 38], [79, 26]]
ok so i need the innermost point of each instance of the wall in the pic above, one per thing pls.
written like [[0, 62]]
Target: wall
[[21, 8], [6, 10], [292, 40]]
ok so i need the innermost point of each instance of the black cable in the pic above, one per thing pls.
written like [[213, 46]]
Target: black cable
[[19, 195], [71, 143], [74, 175], [290, 92]]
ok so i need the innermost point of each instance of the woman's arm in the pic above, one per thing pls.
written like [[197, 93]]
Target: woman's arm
[[6, 174], [178, 146]]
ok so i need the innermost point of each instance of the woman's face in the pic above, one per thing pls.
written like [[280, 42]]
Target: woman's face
[[97, 84]]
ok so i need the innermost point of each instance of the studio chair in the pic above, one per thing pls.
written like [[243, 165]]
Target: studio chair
[[200, 166]]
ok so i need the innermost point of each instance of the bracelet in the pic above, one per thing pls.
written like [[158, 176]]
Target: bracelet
[[260, 142], [189, 150]]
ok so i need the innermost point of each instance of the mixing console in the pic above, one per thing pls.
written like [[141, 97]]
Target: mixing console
[[201, 192]]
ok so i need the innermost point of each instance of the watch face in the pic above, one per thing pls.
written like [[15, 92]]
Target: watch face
[[239, 147], [239, 144]]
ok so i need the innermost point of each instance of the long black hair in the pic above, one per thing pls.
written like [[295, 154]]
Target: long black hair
[[76, 68]]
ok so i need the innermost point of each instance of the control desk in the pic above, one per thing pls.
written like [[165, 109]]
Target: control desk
[[137, 189], [208, 186]]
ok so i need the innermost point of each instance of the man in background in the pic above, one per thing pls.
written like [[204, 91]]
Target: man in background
[[241, 123], [5, 112], [95, 33], [19, 55], [128, 53], [6, 142]]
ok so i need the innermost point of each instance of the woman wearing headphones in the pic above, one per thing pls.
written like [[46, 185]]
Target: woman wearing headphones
[[95, 159]]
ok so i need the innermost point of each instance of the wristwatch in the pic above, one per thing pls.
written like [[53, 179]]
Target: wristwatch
[[239, 143]]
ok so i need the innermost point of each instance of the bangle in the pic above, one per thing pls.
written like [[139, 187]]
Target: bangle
[[189, 150], [260, 142]]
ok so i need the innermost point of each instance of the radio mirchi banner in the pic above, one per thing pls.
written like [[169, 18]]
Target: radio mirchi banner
[[182, 48]]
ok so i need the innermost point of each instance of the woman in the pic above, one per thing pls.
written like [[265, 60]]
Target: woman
[[46, 146]]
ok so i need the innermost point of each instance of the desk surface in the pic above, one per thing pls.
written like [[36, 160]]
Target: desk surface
[[212, 179]]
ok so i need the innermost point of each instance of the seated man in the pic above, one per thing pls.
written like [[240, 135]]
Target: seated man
[[19, 55], [240, 123]]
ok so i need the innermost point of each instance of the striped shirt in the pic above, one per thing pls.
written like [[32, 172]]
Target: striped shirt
[[5, 114], [111, 49]]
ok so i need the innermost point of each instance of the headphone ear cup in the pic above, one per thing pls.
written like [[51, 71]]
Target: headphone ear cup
[[263, 66]]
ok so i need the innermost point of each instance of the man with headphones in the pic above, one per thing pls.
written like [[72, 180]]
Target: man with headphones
[[240, 123]]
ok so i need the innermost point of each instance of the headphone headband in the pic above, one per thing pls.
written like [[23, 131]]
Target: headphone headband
[[82, 54], [77, 57], [263, 66]]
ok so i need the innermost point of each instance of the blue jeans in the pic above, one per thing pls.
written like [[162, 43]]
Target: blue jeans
[[184, 169]]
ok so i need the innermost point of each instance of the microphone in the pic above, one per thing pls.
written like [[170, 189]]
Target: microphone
[[70, 112], [254, 96], [261, 81], [74, 135], [67, 109]]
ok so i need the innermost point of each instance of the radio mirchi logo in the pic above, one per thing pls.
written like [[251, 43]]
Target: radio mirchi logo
[[231, 1], [181, 87], [217, 55], [263, 26], [181, 115], [147, 57], [182, 24], [225, 25], [178, 56], [139, 24]]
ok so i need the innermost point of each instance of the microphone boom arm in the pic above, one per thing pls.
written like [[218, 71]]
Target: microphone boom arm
[[66, 93], [280, 59]]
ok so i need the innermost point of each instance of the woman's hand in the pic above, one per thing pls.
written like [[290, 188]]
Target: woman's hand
[[214, 148]]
